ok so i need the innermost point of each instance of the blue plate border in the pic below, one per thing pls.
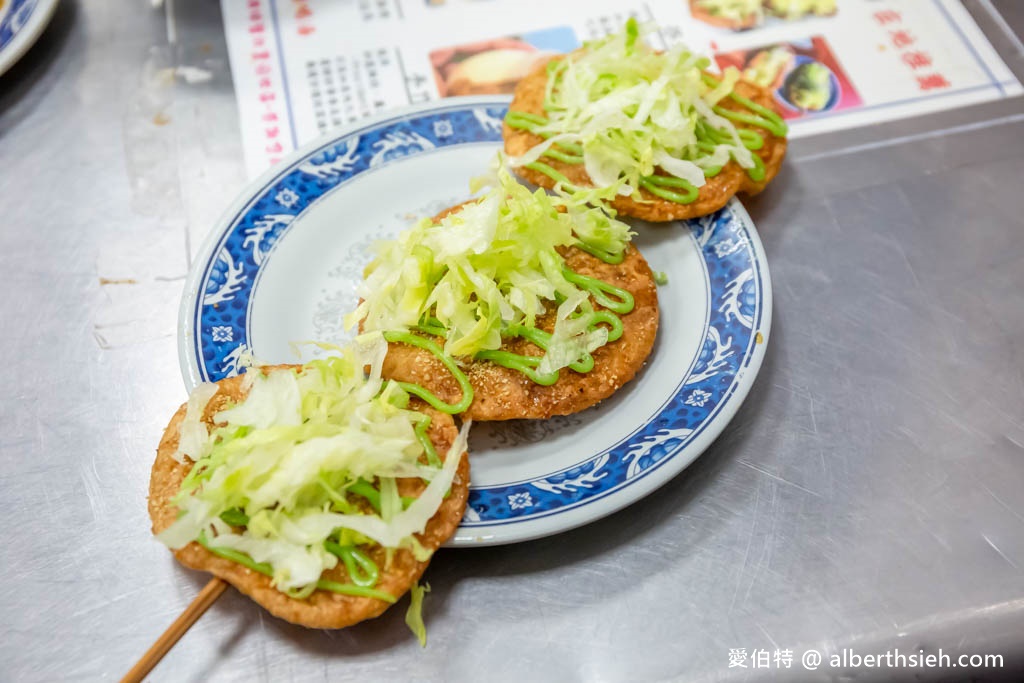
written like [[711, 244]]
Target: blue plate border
[[15, 20]]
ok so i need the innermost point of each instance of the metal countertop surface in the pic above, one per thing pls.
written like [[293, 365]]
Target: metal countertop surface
[[868, 495]]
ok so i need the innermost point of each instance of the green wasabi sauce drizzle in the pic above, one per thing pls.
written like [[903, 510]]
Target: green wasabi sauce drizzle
[[524, 364], [428, 396], [603, 293], [762, 117], [528, 364], [428, 446], [368, 491], [541, 167], [354, 589], [666, 187], [616, 300], [362, 570], [657, 185], [597, 252]]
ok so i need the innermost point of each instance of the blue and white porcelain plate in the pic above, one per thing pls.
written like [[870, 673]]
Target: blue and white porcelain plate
[[21, 23], [283, 263]]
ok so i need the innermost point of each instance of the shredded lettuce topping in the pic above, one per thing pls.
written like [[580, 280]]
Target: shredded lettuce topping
[[302, 473], [193, 441], [490, 270], [636, 118]]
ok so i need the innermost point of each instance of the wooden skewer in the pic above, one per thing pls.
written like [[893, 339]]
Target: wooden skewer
[[211, 591]]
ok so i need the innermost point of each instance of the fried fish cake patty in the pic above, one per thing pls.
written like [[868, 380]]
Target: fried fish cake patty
[[501, 393], [322, 609], [717, 190]]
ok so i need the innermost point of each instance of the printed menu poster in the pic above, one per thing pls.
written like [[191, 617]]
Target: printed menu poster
[[302, 68]]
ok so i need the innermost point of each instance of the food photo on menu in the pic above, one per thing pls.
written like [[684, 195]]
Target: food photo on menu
[[460, 340], [741, 15], [804, 76], [495, 66]]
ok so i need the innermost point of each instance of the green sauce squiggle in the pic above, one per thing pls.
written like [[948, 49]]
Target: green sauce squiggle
[[602, 292], [267, 570], [360, 567], [762, 116], [524, 364], [542, 340], [562, 156], [428, 396], [421, 433], [368, 491], [597, 252], [541, 167], [615, 299], [656, 185]]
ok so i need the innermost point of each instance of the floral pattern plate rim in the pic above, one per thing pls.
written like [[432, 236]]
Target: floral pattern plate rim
[[665, 418], [21, 24]]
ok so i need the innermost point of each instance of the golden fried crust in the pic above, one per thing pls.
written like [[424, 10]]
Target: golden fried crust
[[322, 609], [717, 190], [500, 393]]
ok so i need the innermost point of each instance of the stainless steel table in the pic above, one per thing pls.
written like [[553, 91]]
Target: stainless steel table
[[869, 494]]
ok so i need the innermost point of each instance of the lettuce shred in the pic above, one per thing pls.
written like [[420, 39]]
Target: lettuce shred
[[414, 615]]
